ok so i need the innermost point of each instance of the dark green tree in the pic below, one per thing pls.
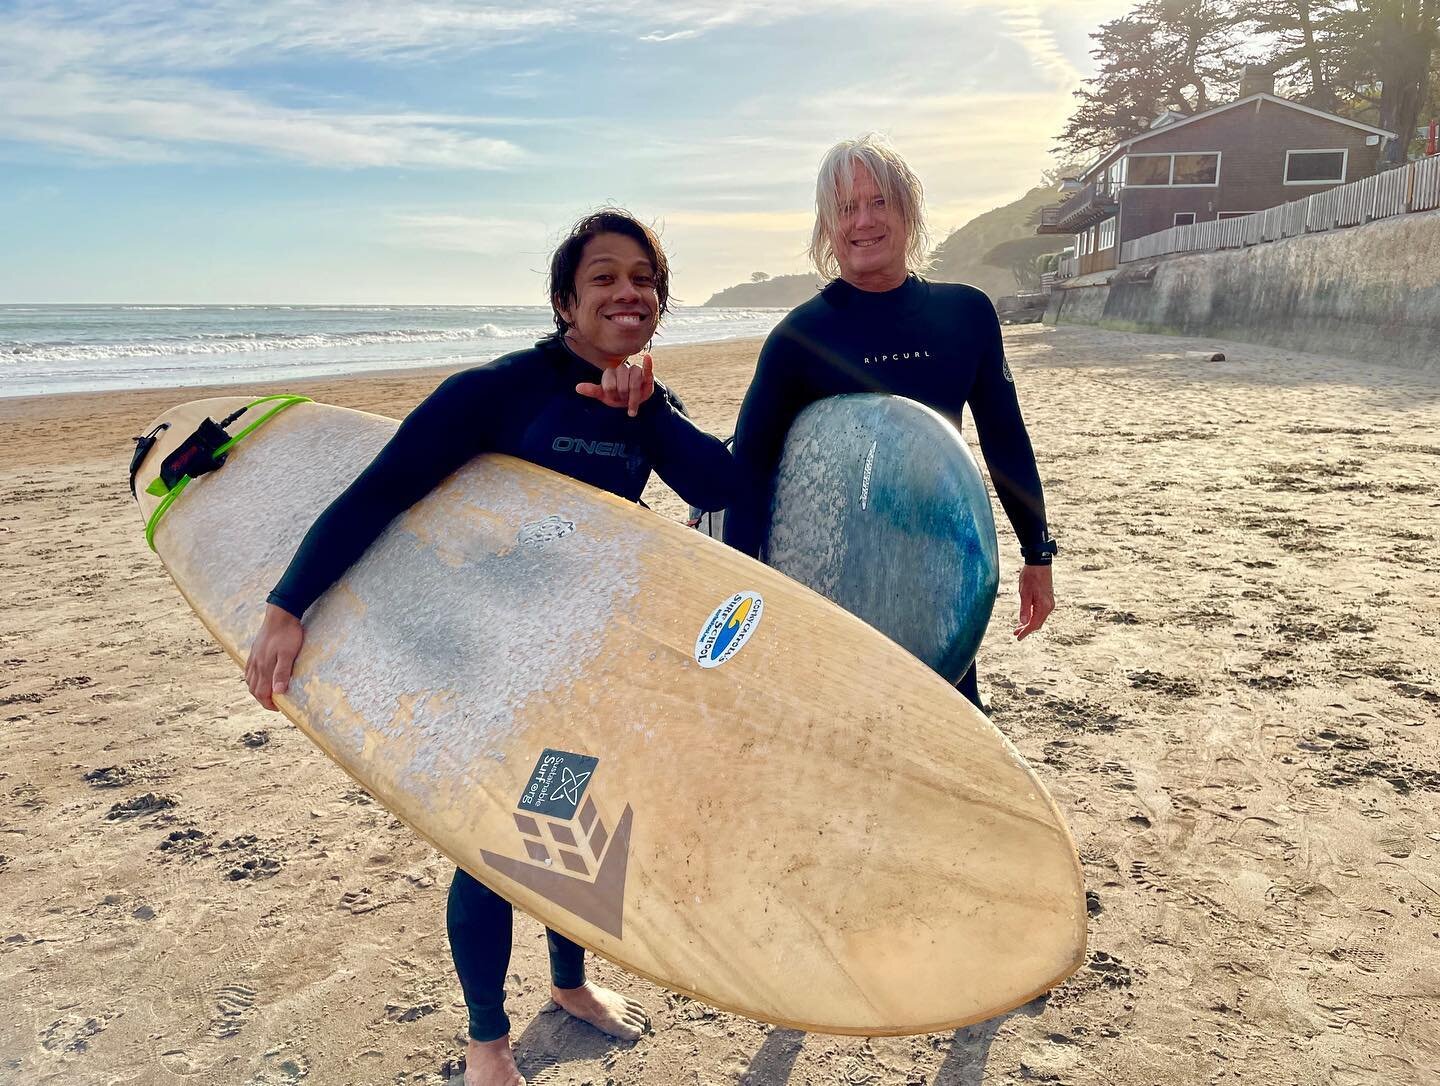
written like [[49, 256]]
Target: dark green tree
[[1300, 45], [1389, 49], [1166, 54]]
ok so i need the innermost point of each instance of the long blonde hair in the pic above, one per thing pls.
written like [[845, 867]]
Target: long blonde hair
[[835, 186]]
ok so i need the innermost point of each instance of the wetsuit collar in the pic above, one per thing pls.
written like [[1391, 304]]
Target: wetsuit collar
[[907, 297], [567, 359]]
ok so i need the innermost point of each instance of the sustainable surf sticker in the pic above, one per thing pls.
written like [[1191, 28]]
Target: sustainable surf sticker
[[558, 783], [572, 855], [547, 530], [730, 626]]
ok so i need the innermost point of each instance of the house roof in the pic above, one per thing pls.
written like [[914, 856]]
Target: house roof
[[1165, 130]]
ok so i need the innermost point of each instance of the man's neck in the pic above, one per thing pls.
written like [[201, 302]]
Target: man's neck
[[588, 353], [878, 282]]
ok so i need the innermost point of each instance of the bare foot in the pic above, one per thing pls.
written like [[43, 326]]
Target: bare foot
[[491, 1064], [607, 1011]]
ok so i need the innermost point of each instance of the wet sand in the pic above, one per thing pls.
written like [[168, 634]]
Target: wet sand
[[1237, 706]]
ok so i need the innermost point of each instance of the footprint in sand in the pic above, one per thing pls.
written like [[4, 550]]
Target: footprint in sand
[[225, 1008], [1121, 778], [72, 1033], [281, 1069], [1079, 714], [1366, 958], [541, 1070], [1147, 877], [1168, 685], [254, 862], [411, 1012], [140, 807], [188, 843], [1102, 972], [234, 1005], [361, 901]]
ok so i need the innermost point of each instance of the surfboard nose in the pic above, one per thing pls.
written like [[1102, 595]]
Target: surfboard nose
[[169, 430]]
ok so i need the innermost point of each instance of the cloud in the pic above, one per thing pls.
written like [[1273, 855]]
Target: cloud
[[139, 81], [1029, 28], [131, 82], [156, 120], [212, 34]]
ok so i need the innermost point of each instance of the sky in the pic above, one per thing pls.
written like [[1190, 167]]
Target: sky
[[433, 152]]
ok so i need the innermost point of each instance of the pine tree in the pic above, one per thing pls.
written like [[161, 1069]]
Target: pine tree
[[1165, 54]]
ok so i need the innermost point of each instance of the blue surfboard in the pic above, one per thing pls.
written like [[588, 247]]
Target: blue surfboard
[[880, 507]]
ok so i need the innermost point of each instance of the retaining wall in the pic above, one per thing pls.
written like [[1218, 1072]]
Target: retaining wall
[[1368, 292]]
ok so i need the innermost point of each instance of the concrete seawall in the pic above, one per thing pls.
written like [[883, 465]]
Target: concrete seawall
[[1368, 292]]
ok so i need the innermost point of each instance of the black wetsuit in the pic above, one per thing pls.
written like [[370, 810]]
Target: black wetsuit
[[937, 343], [524, 404]]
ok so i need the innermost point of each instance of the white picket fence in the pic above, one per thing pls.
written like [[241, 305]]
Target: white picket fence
[[1414, 187]]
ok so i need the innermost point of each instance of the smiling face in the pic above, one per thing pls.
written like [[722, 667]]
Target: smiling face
[[869, 241], [616, 306]]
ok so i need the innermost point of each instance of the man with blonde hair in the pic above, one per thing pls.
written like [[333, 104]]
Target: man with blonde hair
[[878, 326]]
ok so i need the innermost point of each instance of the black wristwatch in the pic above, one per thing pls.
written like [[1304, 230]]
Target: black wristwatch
[[1042, 554]]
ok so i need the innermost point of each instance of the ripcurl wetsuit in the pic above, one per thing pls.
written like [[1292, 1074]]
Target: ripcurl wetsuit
[[523, 404], [937, 343]]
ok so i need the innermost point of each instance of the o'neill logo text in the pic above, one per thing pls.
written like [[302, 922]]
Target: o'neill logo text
[[729, 627], [895, 356], [593, 448], [559, 822]]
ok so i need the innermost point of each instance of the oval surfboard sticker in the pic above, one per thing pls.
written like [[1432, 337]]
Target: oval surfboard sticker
[[730, 626]]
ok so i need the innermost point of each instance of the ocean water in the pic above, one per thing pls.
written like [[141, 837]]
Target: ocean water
[[95, 348]]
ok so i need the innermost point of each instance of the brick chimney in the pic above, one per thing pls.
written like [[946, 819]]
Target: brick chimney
[[1256, 79]]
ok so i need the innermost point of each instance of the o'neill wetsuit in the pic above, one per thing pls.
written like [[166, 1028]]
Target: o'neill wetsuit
[[937, 343], [524, 404]]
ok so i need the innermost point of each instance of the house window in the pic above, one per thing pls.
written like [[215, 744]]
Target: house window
[[1148, 170], [1106, 231], [1196, 170], [1234, 214], [1115, 175], [1184, 218], [1325, 167], [1174, 170]]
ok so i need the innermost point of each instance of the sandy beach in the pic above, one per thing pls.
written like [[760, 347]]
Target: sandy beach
[[1236, 705]]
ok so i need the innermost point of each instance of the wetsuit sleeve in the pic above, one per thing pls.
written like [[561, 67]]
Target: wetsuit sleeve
[[694, 464], [776, 395], [440, 435], [1004, 440]]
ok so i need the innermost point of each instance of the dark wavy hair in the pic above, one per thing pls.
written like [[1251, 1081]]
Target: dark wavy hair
[[566, 261]]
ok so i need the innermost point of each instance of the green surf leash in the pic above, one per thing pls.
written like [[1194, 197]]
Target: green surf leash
[[168, 494]]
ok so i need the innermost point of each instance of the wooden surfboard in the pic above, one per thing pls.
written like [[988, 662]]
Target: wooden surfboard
[[673, 755], [880, 507]]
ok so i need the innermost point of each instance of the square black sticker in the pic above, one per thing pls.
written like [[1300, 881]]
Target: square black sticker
[[558, 784]]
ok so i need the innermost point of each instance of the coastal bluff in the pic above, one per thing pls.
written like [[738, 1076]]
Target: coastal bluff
[[785, 291]]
